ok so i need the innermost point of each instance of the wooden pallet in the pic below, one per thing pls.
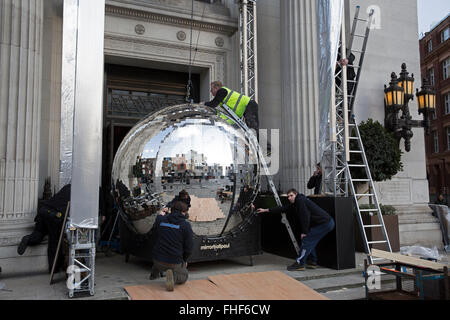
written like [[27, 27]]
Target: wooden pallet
[[412, 261], [271, 285]]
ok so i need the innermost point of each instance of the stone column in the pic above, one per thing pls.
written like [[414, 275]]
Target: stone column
[[299, 108], [51, 95], [20, 108]]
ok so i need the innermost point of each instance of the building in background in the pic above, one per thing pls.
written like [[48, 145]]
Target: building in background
[[435, 66], [147, 53]]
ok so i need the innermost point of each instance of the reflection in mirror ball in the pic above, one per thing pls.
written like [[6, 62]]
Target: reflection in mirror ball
[[186, 147]]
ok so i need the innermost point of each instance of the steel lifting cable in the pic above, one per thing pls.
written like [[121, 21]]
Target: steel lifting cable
[[191, 61], [189, 85]]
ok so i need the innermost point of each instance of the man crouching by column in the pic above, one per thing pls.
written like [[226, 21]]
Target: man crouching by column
[[173, 245], [315, 223]]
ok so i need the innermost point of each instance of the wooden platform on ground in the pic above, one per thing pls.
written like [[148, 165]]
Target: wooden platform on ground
[[271, 285], [205, 209], [412, 261]]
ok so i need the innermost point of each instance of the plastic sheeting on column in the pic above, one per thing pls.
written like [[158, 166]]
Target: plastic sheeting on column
[[69, 50], [82, 109], [329, 21]]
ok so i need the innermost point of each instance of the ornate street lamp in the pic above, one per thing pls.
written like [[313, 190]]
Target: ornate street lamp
[[426, 99], [397, 97]]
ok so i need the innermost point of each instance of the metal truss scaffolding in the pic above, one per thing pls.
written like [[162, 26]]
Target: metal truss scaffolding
[[248, 48]]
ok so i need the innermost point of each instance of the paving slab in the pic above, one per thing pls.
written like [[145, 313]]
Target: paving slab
[[113, 274]]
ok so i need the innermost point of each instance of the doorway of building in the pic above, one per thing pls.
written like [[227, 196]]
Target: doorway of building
[[131, 94]]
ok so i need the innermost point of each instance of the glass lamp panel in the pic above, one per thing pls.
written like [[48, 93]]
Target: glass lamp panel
[[421, 101], [400, 97], [388, 98]]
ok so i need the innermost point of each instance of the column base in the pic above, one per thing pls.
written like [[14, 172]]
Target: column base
[[34, 260]]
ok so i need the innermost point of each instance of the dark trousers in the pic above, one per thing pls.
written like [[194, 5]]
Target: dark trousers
[[180, 272], [48, 223], [251, 116], [309, 243]]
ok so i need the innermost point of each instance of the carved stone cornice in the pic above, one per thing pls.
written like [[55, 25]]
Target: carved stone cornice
[[136, 14], [135, 40]]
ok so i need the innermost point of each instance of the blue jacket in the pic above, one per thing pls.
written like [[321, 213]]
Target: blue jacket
[[174, 238]]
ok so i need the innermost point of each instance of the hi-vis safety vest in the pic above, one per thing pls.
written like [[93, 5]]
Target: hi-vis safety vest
[[236, 102]]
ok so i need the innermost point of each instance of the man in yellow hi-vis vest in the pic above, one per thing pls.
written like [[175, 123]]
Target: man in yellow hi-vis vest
[[242, 105]]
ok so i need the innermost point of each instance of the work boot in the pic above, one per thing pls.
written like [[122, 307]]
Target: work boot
[[170, 283], [296, 267], [156, 275], [23, 245], [153, 276], [311, 265]]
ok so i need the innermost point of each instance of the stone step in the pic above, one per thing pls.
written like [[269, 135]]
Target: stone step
[[335, 283], [358, 293], [34, 260], [348, 286]]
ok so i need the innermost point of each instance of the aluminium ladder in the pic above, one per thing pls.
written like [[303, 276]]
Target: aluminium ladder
[[343, 96], [354, 35], [371, 196], [338, 175], [354, 135], [230, 114]]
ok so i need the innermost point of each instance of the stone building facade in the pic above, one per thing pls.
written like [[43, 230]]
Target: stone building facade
[[147, 52]]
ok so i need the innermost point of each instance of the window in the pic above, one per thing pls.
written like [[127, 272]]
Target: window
[[430, 45], [445, 34], [447, 103], [448, 138], [435, 142], [431, 74], [446, 68]]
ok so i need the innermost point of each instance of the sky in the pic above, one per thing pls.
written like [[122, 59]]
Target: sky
[[430, 12], [204, 139]]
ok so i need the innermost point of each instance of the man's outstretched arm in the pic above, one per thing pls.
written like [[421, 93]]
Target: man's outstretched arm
[[220, 96]]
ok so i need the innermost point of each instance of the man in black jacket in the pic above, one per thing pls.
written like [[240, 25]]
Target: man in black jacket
[[315, 223], [173, 245], [351, 74], [49, 221], [315, 182]]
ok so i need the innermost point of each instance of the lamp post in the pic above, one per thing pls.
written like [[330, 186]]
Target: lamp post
[[396, 99]]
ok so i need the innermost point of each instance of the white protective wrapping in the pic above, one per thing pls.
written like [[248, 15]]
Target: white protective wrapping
[[329, 20], [82, 108]]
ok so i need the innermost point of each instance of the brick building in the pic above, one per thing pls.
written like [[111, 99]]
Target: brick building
[[435, 66]]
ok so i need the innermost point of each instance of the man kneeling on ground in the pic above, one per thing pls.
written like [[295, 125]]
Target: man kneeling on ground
[[173, 245]]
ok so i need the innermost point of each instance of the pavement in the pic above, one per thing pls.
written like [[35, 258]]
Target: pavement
[[113, 274]]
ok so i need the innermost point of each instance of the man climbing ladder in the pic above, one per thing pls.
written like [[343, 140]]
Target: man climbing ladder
[[242, 106]]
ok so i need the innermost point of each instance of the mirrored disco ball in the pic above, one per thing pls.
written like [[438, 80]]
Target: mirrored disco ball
[[186, 147]]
